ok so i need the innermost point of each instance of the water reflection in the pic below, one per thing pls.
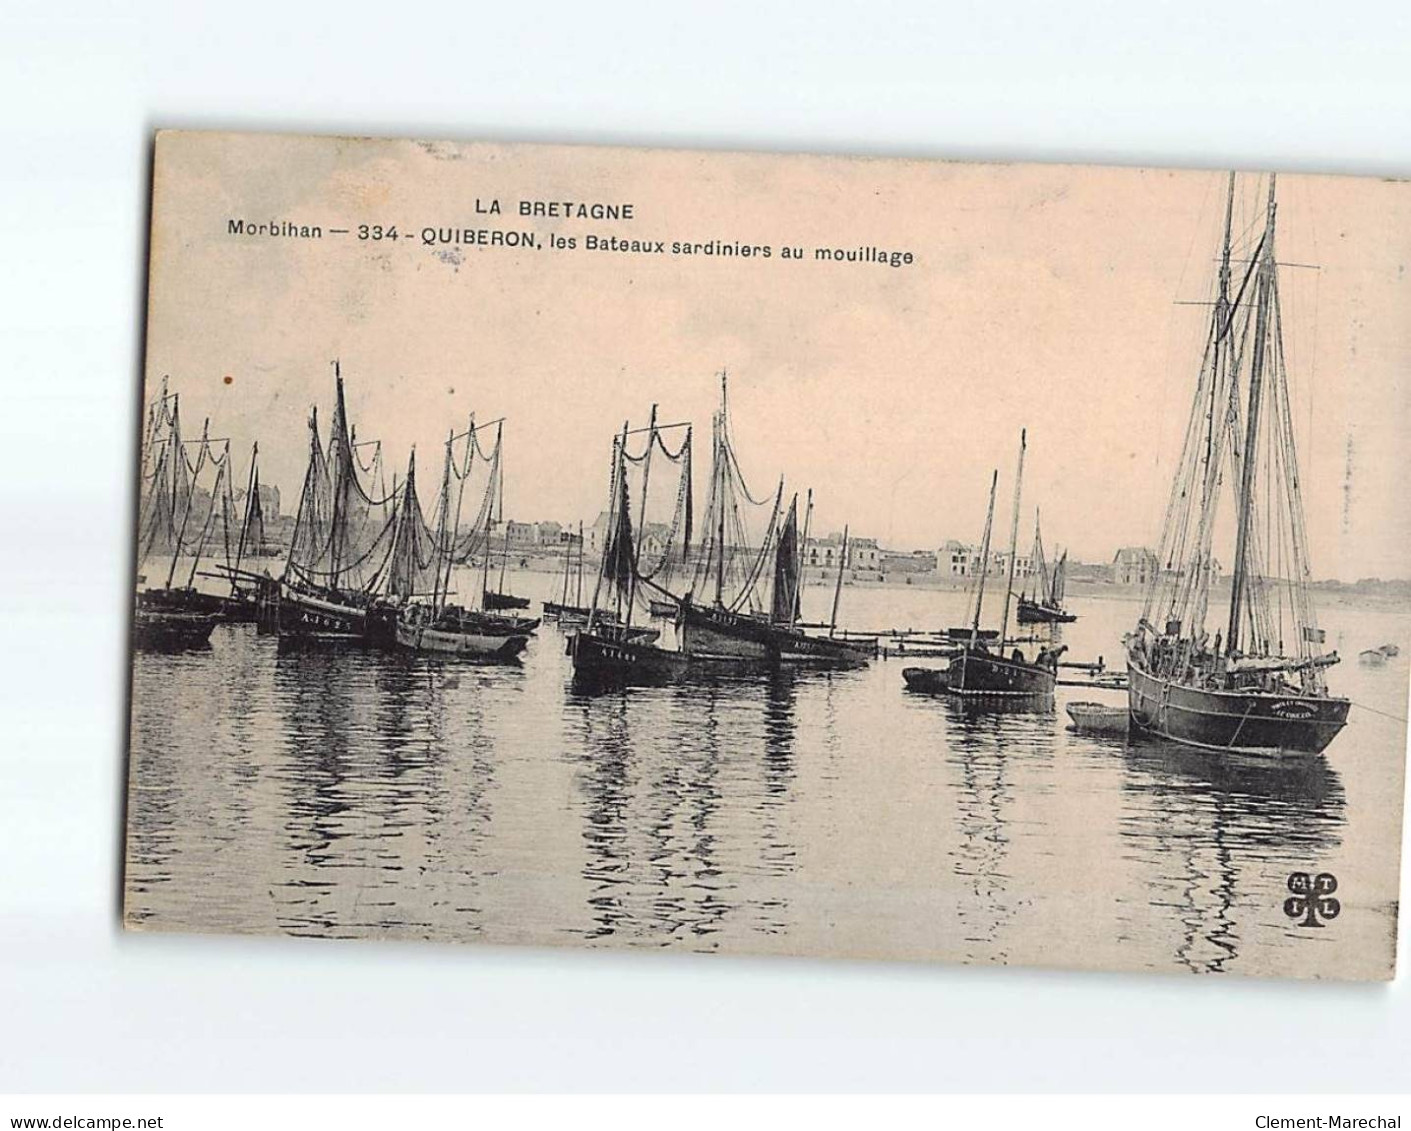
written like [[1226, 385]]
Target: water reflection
[[1203, 824], [988, 749], [685, 793], [360, 794]]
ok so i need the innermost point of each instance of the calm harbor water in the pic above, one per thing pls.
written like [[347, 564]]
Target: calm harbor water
[[355, 794]]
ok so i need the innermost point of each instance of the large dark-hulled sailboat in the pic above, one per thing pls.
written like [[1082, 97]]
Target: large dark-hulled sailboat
[[341, 543], [419, 588], [724, 623], [610, 649], [1262, 689], [175, 615], [734, 619], [981, 673], [1045, 605]]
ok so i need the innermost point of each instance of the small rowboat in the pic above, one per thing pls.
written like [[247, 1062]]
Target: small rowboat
[[1098, 718], [1373, 657], [928, 681]]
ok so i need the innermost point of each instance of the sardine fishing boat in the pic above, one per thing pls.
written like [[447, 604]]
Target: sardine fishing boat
[[178, 516], [341, 542], [1262, 689], [726, 613], [416, 596], [744, 624], [981, 671], [609, 649], [1045, 604]]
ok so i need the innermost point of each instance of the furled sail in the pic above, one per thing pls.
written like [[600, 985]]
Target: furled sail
[[784, 601]]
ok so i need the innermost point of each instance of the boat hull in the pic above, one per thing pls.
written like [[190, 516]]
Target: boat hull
[[555, 610], [984, 677], [612, 660], [1098, 718], [158, 630], [627, 657], [928, 681], [460, 643], [984, 674], [1259, 723], [503, 602], [302, 618], [1032, 612], [237, 608], [721, 633]]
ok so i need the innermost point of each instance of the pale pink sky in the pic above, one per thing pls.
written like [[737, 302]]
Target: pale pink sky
[[1042, 297]]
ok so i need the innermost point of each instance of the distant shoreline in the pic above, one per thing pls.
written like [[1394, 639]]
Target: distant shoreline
[[1395, 594]]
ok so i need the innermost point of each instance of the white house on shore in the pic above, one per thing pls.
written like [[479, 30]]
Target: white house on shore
[[957, 559]]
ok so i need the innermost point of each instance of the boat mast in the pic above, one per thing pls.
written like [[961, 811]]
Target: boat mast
[[838, 588], [567, 569], [720, 470], [443, 545], [500, 507], [614, 492], [1013, 537], [578, 593], [490, 513], [218, 490], [304, 501], [641, 513], [1041, 580], [190, 496], [1220, 376], [802, 556], [984, 562], [340, 471], [1251, 437], [252, 500]]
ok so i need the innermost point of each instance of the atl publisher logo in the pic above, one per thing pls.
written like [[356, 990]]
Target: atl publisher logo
[[1312, 899]]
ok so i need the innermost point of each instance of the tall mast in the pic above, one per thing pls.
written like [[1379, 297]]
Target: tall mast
[[567, 568], [641, 513], [190, 496], [1215, 430], [838, 588], [578, 592], [1251, 436], [720, 470], [252, 499], [218, 491], [445, 543], [304, 502], [984, 562], [1013, 536], [500, 509], [340, 472], [614, 493], [1041, 582], [490, 512], [797, 605]]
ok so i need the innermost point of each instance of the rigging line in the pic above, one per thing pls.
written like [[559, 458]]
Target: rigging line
[[1375, 711]]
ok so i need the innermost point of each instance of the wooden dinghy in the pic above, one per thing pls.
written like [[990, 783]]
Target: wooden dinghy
[[1098, 718]]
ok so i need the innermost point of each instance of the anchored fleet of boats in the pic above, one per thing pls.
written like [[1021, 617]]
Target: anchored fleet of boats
[[670, 599]]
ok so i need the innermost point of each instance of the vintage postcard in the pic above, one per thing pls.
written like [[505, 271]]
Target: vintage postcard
[[773, 555]]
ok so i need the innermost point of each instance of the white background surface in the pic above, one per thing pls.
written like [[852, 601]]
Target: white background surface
[[1296, 85]]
